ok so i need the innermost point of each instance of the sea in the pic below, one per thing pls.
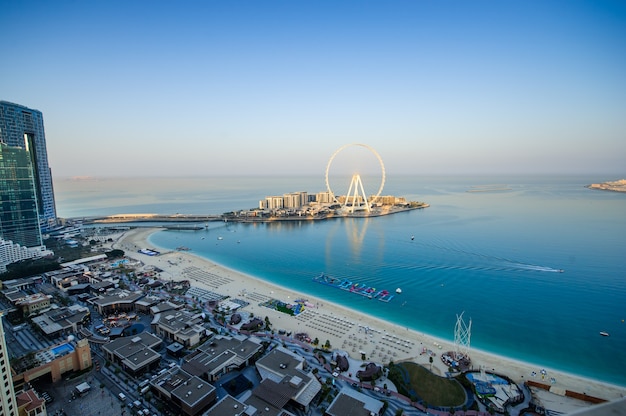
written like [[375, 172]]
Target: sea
[[538, 263]]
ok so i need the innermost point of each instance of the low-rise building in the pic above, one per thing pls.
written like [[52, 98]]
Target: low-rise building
[[62, 321], [180, 326], [135, 355], [32, 304], [66, 277], [115, 301], [222, 354], [351, 402], [162, 307], [29, 404], [189, 393], [289, 371], [25, 283], [228, 406], [56, 361]]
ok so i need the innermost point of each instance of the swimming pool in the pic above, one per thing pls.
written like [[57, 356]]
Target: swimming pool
[[62, 349]]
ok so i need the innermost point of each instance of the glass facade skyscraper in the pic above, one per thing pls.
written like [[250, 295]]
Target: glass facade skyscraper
[[19, 219], [23, 127]]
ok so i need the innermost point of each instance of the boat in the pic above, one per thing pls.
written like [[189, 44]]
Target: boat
[[398, 291], [220, 238], [604, 334]]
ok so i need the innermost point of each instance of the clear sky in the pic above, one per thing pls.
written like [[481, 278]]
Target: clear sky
[[275, 87]]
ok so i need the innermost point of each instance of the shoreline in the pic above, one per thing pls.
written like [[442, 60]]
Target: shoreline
[[345, 327]]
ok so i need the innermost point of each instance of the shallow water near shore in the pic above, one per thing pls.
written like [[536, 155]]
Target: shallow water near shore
[[496, 256]]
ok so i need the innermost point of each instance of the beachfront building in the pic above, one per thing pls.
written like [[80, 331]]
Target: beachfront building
[[371, 372], [222, 354], [180, 326], [188, 393], [284, 371], [53, 362], [22, 127], [11, 252], [135, 355], [62, 321], [351, 402]]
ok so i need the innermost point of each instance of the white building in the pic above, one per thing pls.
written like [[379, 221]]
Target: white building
[[11, 253]]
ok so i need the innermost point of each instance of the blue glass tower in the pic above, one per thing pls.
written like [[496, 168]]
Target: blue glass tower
[[19, 219], [23, 127]]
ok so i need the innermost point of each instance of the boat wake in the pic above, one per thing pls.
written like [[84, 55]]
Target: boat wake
[[537, 268]]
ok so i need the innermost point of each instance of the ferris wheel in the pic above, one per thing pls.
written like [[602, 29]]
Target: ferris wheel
[[356, 198]]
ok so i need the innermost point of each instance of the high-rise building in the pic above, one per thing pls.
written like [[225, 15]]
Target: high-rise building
[[20, 232], [23, 127], [19, 219], [8, 403]]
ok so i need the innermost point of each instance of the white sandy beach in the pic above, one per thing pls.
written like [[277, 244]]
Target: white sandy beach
[[343, 327]]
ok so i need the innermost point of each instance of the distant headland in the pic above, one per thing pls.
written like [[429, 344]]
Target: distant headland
[[615, 186]]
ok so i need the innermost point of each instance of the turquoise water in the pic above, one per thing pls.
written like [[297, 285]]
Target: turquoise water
[[62, 349], [494, 255]]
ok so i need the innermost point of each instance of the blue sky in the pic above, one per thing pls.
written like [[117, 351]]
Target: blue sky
[[275, 87]]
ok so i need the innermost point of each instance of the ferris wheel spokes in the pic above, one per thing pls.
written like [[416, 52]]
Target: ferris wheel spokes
[[358, 199], [356, 184]]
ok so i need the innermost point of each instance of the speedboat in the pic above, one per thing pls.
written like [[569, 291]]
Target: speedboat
[[604, 334]]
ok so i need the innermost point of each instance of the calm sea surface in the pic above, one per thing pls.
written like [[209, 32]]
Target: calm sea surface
[[494, 255]]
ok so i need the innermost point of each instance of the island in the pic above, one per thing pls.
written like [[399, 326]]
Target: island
[[615, 186]]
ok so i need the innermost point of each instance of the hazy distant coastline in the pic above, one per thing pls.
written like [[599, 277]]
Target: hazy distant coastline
[[615, 186]]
